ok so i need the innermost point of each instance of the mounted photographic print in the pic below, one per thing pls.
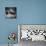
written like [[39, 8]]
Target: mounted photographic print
[[32, 32], [10, 12]]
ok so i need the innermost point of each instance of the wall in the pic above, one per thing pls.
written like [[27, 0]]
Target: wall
[[28, 12]]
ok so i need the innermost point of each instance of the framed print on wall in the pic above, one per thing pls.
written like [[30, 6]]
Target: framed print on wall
[[10, 12], [32, 32]]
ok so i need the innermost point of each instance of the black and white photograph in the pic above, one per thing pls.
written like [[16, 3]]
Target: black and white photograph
[[10, 12]]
